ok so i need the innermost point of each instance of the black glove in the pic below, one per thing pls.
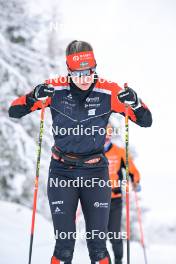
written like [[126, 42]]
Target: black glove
[[137, 187], [42, 91], [129, 96]]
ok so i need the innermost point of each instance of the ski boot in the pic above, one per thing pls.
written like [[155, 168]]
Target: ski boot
[[54, 260]]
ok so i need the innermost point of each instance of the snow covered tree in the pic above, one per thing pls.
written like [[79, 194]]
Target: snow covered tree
[[24, 62]]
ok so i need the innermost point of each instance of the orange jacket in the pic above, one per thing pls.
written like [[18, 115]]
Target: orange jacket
[[116, 157]]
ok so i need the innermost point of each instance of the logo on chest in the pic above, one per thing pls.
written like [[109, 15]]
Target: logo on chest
[[91, 112], [92, 99], [69, 97], [68, 101], [92, 102]]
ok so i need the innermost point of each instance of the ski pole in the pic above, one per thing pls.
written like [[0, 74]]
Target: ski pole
[[140, 225], [36, 179], [127, 179]]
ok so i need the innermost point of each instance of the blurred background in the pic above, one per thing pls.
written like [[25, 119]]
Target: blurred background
[[134, 42]]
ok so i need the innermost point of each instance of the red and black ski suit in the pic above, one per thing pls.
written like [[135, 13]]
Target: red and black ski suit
[[70, 107]]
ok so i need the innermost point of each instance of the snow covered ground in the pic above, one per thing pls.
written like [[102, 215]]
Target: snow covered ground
[[15, 232]]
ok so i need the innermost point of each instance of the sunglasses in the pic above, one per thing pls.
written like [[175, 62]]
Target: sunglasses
[[80, 73]]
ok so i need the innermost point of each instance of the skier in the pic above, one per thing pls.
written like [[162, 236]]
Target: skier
[[82, 102], [116, 158]]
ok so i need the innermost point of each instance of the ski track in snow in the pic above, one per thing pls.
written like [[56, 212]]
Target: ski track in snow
[[15, 224]]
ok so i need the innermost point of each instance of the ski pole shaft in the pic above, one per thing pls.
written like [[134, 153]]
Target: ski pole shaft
[[36, 179], [139, 214], [127, 179]]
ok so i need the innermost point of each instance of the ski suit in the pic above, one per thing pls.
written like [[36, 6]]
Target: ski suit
[[88, 111]]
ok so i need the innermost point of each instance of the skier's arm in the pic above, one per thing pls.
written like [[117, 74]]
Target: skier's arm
[[30, 102], [139, 114]]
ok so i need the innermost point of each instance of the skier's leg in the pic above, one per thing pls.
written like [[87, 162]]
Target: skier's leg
[[95, 205], [63, 204], [114, 226]]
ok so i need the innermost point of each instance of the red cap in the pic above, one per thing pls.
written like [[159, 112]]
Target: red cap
[[82, 60]]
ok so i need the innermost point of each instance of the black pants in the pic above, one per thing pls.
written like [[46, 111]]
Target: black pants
[[63, 199], [114, 226]]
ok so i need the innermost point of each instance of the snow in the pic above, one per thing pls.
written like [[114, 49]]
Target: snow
[[15, 223]]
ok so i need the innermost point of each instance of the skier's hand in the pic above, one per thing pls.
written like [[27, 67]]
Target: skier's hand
[[42, 91], [137, 187], [129, 97]]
